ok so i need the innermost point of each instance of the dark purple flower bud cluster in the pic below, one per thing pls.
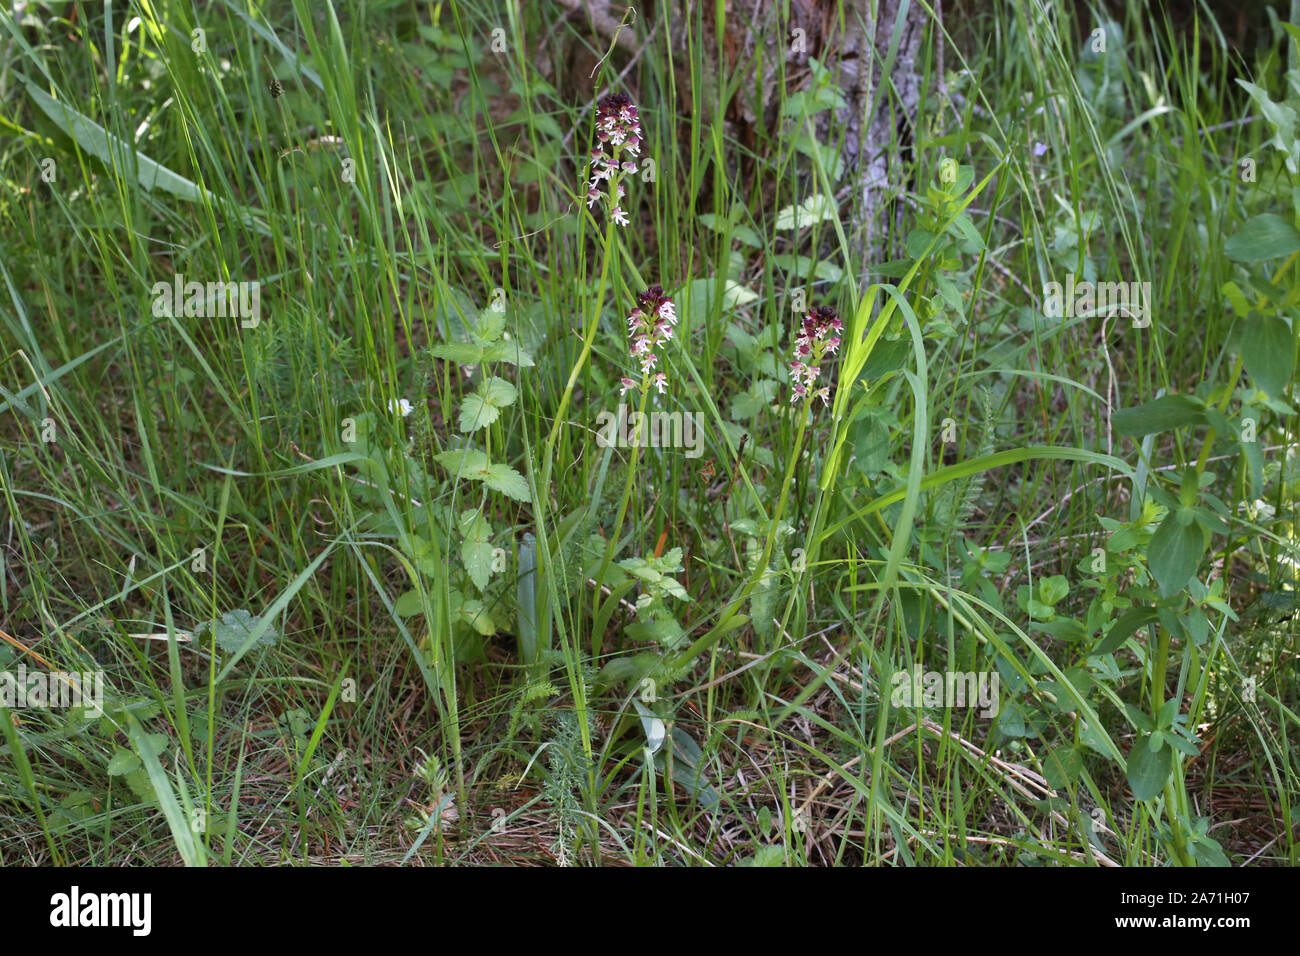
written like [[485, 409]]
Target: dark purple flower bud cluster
[[818, 337], [650, 325], [618, 139]]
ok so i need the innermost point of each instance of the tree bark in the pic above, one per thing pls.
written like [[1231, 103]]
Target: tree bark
[[882, 110], [853, 39]]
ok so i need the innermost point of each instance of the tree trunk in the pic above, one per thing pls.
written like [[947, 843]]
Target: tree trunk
[[853, 39], [882, 111]]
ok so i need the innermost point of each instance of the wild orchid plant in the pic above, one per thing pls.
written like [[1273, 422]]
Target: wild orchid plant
[[818, 337], [650, 326], [651, 323], [618, 136], [612, 160]]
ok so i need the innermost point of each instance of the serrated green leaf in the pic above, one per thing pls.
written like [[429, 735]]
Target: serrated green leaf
[[464, 463], [491, 323], [235, 628], [745, 405], [497, 392], [476, 412], [674, 587], [501, 477], [766, 856], [1266, 236], [123, 762], [1282, 118], [665, 632], [155, 743], [476, 547], [641, 568], [509, 351], [472, 463], [812, 210], [141, 784]]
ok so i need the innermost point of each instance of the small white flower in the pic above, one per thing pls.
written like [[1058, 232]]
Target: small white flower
[[400, 405], [619, 216]]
